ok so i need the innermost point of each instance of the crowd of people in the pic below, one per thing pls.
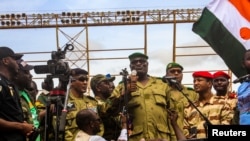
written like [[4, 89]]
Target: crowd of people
[[140, 108]]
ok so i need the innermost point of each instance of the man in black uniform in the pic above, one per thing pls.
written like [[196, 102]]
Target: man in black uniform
[[12, 124]]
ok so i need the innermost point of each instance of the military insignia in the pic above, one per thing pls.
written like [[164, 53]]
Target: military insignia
[[1, 88], [71, 106], [232, 95], [11, 91]]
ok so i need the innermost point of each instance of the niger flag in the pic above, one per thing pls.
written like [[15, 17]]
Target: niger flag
[[225, 26]]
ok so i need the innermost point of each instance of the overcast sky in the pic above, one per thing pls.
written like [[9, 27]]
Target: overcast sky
[[160, 37]]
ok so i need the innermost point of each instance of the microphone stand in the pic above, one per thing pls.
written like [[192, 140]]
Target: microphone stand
[[177, 85], [125, 107]]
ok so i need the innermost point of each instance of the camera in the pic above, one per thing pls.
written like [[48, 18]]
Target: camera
[[56, 67]]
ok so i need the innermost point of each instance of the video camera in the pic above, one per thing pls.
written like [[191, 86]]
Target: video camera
[[56, 67]]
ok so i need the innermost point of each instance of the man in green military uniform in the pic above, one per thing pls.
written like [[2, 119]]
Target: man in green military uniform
[[177, 98], [77, 101], [100, 85], [147, 99]]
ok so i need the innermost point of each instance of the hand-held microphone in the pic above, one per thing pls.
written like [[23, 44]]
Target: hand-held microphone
[[133, 80], [133, 72], [133, 76], [242, 79], [169, 79]]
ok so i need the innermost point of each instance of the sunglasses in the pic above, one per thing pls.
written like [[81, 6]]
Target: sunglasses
[[82, 79]]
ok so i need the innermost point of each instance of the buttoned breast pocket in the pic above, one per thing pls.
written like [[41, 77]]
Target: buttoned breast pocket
[[160, 97], [135, 100]]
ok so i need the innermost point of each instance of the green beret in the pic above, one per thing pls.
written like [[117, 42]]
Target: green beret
[[137, 54], [174, 65]]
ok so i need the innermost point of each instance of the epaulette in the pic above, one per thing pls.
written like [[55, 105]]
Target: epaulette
[[159, 78], [120, 82], [189, 88], [90, 97]]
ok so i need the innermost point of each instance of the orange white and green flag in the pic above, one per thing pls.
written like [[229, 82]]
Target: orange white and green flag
[[225, 26]]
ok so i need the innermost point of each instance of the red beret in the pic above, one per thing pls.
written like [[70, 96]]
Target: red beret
[[221, 74], [205, 74]]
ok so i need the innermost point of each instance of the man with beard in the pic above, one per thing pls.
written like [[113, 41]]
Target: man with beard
[[77, 101], [221, 86], [23, 82], [12, 124], [100, 85], [145, 99]]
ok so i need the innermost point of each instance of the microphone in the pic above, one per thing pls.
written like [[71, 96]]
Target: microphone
[[133, 73], [169, 79], [242, 79], [133, 77]]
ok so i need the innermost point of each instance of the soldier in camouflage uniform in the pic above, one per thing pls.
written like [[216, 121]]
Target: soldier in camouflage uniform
[[221, 85], [23, 82], [100, 85], [215, 109], [177, 98], [147, 101], [77, 101]]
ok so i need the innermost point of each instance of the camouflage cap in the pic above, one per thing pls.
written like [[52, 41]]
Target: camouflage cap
[[173, 65], [24, 65], [137, 54], [97, 79], [111, 78]]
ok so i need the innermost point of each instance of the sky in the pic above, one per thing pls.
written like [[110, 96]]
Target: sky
[[160, 37]]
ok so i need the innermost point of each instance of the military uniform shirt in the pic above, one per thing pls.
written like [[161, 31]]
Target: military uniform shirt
[[74, 105], [147, 108], [217, 111], [179, 102]]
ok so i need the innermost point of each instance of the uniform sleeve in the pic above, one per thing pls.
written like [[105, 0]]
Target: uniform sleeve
[[226, 114]]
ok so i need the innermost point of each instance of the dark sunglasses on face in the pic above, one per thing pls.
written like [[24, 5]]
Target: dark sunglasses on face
[[82, 79], [175, 70], [141, 61]]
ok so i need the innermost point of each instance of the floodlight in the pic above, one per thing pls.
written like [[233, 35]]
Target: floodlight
[[23, 15], [2, 16], [18, 22], [63, 14], [8, 23], [7, 16], [3, 23]]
